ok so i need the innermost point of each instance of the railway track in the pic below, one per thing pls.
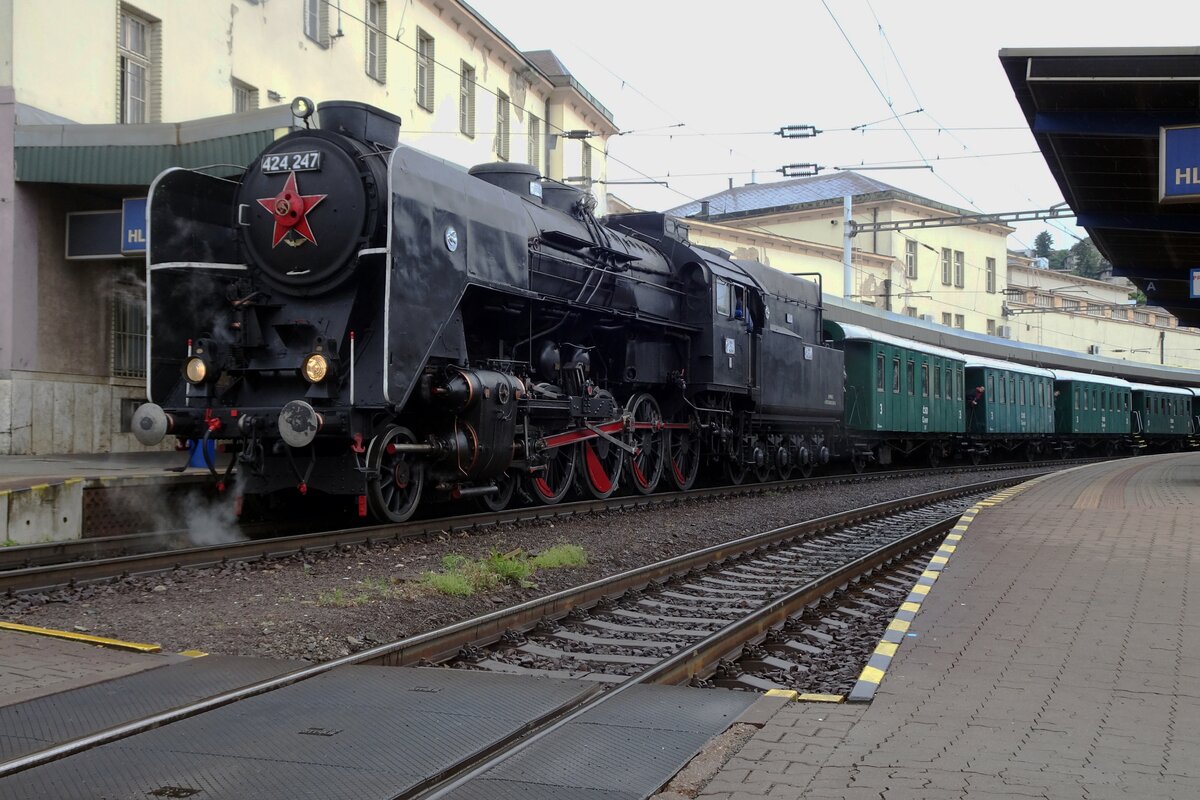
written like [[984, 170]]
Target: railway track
[[686, 615], [56, 565]]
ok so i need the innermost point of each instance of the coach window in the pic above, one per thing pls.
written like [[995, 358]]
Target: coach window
[[924, 380], [949, 383], [937, 383], [879, 370], [895, 376], [1095, 404], [722, 298], [1076, 398], [910, 377], [1022, 391]]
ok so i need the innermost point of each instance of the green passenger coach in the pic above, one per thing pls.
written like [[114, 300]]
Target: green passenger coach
[[1161, 414], [1091, 405], [1016, 399]]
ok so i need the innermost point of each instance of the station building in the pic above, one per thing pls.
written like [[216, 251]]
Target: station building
[[97, 98]]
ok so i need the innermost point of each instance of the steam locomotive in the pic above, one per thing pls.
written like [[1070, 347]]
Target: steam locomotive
[[365, 320]]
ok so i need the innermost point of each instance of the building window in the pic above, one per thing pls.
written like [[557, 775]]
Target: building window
[[587, 163], [991, 327], [960, 322], [1070, 305], [501, 146], [946, 275], [1045, 301], [535, 142], [129, 332], [910, 311], [959, 269], [424, 70], [991, 276], [134, 49], [245, 97], [316, 21], [1141, 317], [377, 40], [1162, 321], [1095, 310], [947, 319], [466, 100], [910, 258]]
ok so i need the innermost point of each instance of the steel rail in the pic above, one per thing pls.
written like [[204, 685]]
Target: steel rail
[[698, 658], [445, 642], [48, 577]]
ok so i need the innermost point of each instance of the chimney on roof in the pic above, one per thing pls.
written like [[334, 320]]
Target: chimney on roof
[[704, 208], [731, 184]]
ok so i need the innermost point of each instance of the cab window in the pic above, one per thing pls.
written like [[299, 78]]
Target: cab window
[[723, 298]]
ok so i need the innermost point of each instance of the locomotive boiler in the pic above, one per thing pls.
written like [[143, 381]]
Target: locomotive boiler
[[365, 320]]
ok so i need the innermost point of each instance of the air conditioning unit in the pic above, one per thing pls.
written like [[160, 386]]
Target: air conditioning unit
[[1004, 331], [927, 317]]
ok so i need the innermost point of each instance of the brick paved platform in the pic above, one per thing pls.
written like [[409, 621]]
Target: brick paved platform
[[32, 666], [1057, 656]]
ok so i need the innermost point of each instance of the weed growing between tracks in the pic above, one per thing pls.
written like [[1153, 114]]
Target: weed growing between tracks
[[463, 577]]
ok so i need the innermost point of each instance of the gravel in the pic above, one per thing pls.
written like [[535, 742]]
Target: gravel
[[323, 605]]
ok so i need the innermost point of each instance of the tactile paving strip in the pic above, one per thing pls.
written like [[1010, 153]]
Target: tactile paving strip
[[44, 721]]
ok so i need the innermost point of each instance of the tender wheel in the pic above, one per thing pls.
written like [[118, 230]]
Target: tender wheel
[[500, 500], [763, 468], [858, 462], [602, 462], [646, 466], [683, 454], [394, 479], [551, 484]]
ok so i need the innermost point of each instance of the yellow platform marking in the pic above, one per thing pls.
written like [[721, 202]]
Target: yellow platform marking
[[913, 607], [933, 575], [871, 675], [953, 537], [821, 698], [898, 625], [102, 641], [39, 487], [790, 694], [886, 649], [920, 588], [947, 548], [938, 560], [202, 654]]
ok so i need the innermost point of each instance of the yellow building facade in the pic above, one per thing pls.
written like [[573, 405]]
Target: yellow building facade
[[97, 96]]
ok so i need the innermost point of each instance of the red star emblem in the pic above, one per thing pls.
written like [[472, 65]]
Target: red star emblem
[[290, 210]]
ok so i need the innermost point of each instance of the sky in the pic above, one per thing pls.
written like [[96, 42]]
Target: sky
[[697, 88]]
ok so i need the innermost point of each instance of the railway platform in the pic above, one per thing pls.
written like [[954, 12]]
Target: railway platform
[[1056, 655], [62, 497]]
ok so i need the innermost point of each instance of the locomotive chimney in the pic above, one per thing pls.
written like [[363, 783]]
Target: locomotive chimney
[[520, 179], [360, 121]]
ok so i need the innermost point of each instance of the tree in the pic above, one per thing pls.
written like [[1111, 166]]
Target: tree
[[1087, 259], [1043, 244]]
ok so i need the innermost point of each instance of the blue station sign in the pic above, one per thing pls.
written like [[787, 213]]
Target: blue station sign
[[1179, 164], [133, 226]]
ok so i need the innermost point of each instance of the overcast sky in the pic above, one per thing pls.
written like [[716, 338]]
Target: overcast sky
[[732, 72]]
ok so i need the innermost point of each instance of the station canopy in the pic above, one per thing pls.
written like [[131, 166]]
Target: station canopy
[[1097, 115]]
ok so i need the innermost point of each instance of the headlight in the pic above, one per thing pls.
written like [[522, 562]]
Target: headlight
[[196, 370], [316, 367]]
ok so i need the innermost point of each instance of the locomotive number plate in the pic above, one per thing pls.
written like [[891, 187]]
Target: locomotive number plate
[[307, 161]]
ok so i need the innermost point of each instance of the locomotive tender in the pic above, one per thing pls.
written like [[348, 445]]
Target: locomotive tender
[[362, 319]]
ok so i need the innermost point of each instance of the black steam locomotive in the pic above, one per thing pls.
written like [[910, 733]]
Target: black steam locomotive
[[365, 320]]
